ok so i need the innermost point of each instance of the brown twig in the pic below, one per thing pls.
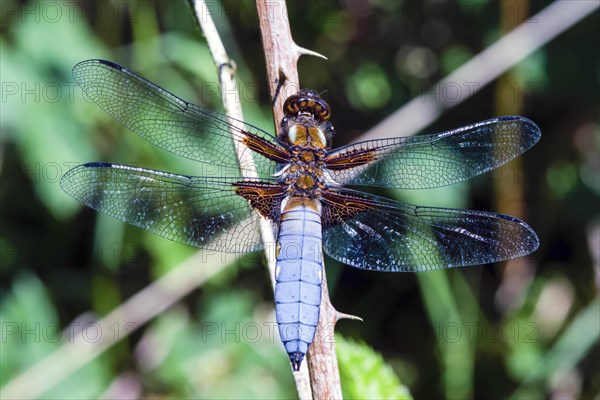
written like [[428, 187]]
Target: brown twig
[[282, 56]]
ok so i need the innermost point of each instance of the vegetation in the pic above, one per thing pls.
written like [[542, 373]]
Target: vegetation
[[523, 329]]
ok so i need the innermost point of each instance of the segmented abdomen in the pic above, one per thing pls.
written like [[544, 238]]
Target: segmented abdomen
[[298, 275]]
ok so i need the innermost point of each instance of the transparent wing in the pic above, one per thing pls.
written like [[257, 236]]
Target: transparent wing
[[429, 161], [198, 211], [167, 121], [375, 233]]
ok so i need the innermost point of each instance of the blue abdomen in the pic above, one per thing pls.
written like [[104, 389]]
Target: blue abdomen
[[298, 275]]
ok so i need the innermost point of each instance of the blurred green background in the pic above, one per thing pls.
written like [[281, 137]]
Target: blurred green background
[[528, 328]]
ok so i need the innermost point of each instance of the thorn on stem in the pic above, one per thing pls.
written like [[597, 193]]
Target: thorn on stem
[[306, 52], [340, 315]]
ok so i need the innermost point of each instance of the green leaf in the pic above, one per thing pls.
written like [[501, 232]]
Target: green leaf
[[364, 373]]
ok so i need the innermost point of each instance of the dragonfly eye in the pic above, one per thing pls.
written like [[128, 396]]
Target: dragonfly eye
[[307, 101]]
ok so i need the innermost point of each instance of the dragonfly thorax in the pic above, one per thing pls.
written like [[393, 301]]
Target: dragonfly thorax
[[305, 178]]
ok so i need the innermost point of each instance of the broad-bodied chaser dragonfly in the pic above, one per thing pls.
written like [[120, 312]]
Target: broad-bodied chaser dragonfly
[[300, 190]]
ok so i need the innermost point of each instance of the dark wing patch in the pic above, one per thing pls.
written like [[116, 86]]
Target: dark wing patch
[[385, 235], [264, 198], [191, 210]]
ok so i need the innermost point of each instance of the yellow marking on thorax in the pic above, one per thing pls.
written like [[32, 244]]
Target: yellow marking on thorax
[[300, 135], [305, 182], [297, 135], [307, 156], [317, 137]]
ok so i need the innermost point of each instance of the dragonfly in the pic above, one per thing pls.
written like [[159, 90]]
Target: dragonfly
[[299, 187]]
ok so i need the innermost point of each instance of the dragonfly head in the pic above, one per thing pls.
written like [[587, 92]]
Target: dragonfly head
[[306, 121], [307, 101]]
